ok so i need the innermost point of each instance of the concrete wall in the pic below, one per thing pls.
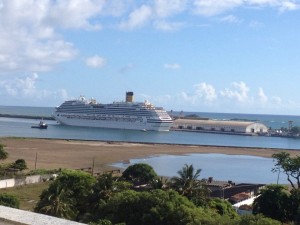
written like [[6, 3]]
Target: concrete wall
[[26, 180], [16, 216]]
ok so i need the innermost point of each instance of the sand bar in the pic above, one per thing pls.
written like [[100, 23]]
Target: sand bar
[[75, 154]]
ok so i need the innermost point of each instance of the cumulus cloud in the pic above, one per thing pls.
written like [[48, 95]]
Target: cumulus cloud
[[173, 66], [206, 91], [238, 91], [215, 7], [167, 8], [75, 13], [262, 96], [95, 61], [30, 36], [25, 87], [236, 98], [276, 100], [230, 19], [137, 18], [167, 26], [203, 94]]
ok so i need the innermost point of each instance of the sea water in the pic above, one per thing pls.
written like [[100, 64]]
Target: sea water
[[239, 169]]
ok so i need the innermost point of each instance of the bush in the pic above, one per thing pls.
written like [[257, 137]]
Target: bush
[[9, 201], [140, 173], [19, 164]]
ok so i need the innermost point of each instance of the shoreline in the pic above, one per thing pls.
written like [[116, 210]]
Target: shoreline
[[76, 154]]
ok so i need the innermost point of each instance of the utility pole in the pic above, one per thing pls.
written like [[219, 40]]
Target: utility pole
[[35, 161], [93, 166]]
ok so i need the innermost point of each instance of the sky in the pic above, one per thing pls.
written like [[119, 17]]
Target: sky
[[232, 56]]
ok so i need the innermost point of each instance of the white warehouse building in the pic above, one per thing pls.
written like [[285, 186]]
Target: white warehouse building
[[220, 126]]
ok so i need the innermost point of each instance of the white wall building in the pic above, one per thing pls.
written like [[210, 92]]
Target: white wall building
[[243, 127]]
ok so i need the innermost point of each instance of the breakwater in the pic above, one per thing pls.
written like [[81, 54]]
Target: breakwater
[[27, 116]]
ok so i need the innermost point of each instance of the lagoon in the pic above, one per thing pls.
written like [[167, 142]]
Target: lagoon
[[237, 168]]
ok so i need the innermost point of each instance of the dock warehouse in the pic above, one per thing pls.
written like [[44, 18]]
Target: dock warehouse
[[220, 126]]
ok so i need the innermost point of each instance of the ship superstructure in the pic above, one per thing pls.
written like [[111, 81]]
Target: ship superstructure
[[119, 115]]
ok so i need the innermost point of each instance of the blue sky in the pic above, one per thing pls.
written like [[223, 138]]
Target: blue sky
[[240, 56]]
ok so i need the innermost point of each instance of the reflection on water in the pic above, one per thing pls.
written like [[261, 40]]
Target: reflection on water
[[237, 168]]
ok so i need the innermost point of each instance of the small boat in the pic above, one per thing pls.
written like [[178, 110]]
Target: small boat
[[41, 125]]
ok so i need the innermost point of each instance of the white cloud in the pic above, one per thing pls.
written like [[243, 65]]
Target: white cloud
[[173, 66], [238, 91], [288, 6], [25, 88], [167, 26], [215, 7], [95, 61], [262, 96], [75, 13], [167, 8], [137, 18], [30, 36], [238, 98], [256, 24], [203, 94], [206, 91], [276, 100], [231, 19]]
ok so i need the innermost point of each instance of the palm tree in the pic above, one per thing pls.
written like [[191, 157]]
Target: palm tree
[[56, 202], [187, 183]]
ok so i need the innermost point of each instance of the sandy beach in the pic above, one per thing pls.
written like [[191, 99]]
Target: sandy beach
[[73, 154]]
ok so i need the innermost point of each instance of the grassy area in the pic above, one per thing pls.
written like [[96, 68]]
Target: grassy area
[[27, 194]]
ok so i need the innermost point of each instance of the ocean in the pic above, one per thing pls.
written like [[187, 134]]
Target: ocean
[[19, 127]]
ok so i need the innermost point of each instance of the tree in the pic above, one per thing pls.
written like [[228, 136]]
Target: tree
[[140, 173], [67, 197], [187, 183], [294, 206], [295, 130], [273, 202], [222, 207], [105, 187], [258, 219], [56, 201], [19, 164], [156, 207], [288, 165], [3, 153], [9, 201]]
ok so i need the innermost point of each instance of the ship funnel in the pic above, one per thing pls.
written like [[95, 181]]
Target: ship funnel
[[129, 96]]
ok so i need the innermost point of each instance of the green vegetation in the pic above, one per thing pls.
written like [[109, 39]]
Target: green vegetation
[[139, 196], [289, 166], [28, 195], [3, 153], [9, 200], [139, 173], [273, 202], [19, 164], [276, 201], [295, 130], [108, 200], [67, 196]]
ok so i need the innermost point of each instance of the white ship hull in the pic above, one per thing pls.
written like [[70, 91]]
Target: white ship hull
[[127, 115], [114, 124]]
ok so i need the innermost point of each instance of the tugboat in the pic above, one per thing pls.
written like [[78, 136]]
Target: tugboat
[[41, 125]]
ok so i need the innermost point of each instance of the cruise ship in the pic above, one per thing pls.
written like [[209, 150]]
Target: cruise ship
[[119, 115]]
